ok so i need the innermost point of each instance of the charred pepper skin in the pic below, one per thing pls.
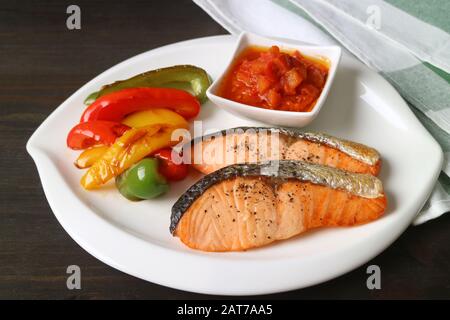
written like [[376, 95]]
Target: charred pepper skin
[[87, 134]]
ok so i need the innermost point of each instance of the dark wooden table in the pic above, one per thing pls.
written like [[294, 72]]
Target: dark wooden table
[[41, 64]]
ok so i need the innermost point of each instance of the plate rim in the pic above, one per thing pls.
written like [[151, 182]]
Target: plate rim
[[44, 164]]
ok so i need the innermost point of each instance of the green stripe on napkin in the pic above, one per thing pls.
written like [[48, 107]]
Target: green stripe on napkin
[[434, 12]]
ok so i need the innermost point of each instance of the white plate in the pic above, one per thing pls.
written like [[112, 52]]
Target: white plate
[[134, 237]]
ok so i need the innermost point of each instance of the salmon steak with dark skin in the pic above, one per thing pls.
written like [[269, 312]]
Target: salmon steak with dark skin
[[258, 144], [246, 206]]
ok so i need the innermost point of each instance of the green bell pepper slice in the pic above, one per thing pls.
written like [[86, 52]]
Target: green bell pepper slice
[[190, 78], [142, 181]]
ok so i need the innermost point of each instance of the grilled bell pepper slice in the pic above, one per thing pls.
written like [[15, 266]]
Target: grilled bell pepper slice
[[115, 106], [89, 156], [87, 134], [136, 120], [185, 77], [168, 168], [142, 181], [133, 146], [154, 116]]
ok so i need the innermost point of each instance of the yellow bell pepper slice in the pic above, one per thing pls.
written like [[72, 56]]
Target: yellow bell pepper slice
[[89, 156], [155, 116], [136, 120], [134, 145]]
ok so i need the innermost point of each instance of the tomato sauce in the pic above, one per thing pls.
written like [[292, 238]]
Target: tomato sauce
[[271, 79]]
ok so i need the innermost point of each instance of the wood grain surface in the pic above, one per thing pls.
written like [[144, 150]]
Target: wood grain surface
[[41, 64]]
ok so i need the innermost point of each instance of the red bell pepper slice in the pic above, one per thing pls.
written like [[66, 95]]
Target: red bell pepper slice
[[87, 134], [169, 169], [115, 106]]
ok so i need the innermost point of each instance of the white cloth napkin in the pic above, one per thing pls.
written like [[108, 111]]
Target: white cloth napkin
[[268, 18], [426, 42]]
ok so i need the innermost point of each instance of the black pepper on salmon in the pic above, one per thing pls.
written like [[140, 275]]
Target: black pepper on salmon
[[258, 144], [243, 206]]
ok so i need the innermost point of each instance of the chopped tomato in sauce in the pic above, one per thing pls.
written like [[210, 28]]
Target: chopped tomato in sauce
[[271, 79]]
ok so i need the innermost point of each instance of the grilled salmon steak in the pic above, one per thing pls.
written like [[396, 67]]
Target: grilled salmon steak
[[258, 144], [244, 206]]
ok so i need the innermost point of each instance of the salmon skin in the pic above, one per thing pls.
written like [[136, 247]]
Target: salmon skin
[[258, 144], [244, 206]]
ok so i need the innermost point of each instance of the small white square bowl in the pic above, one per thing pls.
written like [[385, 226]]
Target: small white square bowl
[[277, 117]]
